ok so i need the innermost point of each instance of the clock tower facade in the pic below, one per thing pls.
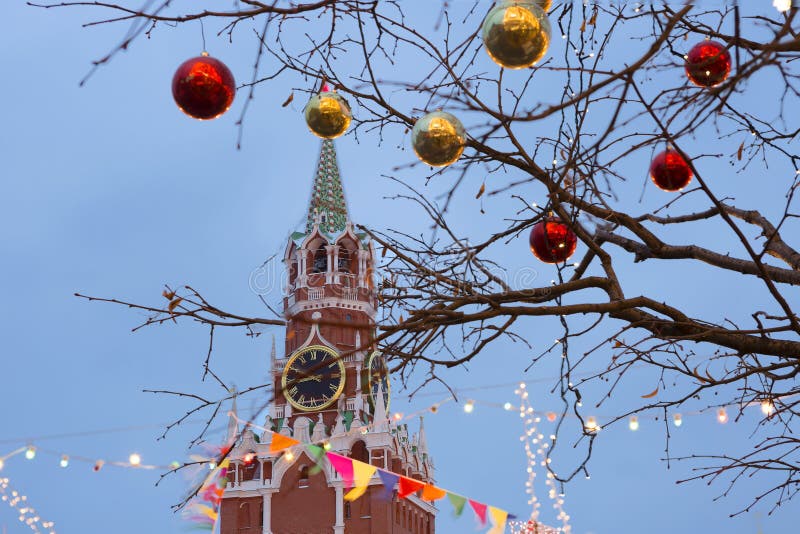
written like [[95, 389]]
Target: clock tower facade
[[332, 388]]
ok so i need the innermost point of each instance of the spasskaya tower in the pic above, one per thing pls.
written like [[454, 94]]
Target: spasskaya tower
[[332, 388]]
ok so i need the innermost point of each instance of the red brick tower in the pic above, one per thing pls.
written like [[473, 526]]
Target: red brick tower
[[331, 387]]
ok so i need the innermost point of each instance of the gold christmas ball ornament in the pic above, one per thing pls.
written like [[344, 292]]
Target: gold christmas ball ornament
[[516, 34], [328, 115], [438, 139]]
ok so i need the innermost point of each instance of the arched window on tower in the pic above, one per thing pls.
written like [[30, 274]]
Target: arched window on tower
[[303, 478], [359, 452], [344, 260], [320, 264]]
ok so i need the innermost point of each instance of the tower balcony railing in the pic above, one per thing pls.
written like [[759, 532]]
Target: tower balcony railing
[[279, 412], [350, 293], [316, 293]]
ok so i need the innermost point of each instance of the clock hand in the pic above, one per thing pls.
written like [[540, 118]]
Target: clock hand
[[315, 378]]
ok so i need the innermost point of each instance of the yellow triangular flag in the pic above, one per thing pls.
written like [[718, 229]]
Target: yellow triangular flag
[[499, 518], [362, 474], [280, 442]]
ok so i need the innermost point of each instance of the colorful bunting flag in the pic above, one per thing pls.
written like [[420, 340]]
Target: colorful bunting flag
[[480, 510], [362, 474], [317, 454], [458, 503], [408, 486], [280, 442], [389, 479], [344, 466], [432, 493], [204, 510], [499, 518], [356, 476]]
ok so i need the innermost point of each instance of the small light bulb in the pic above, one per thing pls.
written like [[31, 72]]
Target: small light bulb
[[289, 456], [30, 453], [174, 464], [469, 406], [64, 461], [767, 407], [2, 464], [507, 406], [98, 465], [248, 458], [591, 424], [633, 423], [782, 5], [722, 416], [326, 446], [212, 466], [677, 419], [135, 460], [551, 416], [398, 416]]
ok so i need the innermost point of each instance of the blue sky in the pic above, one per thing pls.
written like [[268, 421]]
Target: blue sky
[[111, 191]]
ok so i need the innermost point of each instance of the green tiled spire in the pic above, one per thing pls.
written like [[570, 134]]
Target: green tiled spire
[[327, 194]]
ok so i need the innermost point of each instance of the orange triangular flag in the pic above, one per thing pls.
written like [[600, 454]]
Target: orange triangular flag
[[280, 442], [432, 493]]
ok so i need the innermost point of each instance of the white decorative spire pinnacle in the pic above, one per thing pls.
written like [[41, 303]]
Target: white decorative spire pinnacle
[[272, 356], [233, 420], [380, 423], [422, 441]]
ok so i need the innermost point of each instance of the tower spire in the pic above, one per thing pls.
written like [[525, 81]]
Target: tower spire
[[422, 440], [272, 356], [380, 422], [233, 420], [327, 194]]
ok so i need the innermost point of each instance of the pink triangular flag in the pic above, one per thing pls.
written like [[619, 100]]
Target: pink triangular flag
[[344, 466], [480, 510]]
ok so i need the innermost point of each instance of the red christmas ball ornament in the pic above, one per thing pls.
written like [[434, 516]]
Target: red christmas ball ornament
[[669, 171], [552, 241], [203, 87], [708, 63]]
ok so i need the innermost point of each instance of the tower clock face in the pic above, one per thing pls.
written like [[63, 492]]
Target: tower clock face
[[378, 372], [313, 378]]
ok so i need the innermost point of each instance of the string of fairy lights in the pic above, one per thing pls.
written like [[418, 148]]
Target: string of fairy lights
[[27, 513], [532, 439], [534, 442]]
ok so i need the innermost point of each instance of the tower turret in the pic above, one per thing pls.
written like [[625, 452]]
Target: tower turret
[[331, 387]]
